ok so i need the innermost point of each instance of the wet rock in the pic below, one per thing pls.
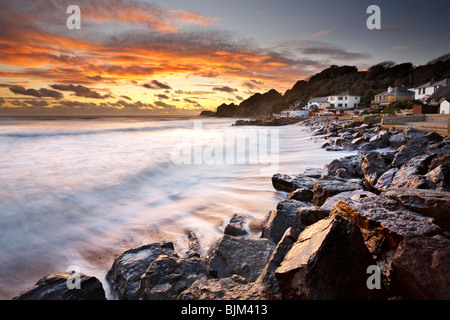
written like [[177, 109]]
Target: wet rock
[[386, 218], [127, 269], [421, 268], [328, 262], [267, 277], [385, 181], [324, 189], [430, 203], [409, 177], [287, 183], [380, 140], [411, 149], [397, 140], [315, 172], [310, 215], [236, 226], [341, 168], [235, 255], [367, 146], [194, 250], [167, 276], [230, 288], [374, 166], [301, 194], [278, 221], [55, 287], [439, 178], [355, 195]]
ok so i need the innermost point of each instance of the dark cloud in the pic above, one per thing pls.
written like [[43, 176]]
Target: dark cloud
[[41, 93], [95, 78], [162, 96], [335, 53], [126, 97], [80, 91], [225, 89], [156, 85], [252, 84], [193, 102]]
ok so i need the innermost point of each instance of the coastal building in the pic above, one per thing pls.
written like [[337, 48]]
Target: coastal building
[[344, 100], [319, 102], [445, 107], [424, 91], [293, 113], [392, 94], [441, 94]]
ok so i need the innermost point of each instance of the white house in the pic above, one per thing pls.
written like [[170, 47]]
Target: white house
[[445, 107], [344, 100], [424, 91]]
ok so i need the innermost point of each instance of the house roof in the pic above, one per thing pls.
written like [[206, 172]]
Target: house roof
[[396, 91], [347, 93], [442, 82], [318, 99], [442, 92]]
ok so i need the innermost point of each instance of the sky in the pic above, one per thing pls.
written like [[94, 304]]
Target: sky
[[179, 57]]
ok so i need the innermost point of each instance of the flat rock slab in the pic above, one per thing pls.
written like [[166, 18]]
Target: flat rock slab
[[326, 188], [288, 183]]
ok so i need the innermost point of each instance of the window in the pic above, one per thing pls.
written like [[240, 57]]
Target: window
[[339, 98], [346, 98]]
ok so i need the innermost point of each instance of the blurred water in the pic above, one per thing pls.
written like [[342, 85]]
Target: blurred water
[[81, 191]]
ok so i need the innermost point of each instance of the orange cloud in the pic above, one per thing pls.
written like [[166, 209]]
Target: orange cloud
[[321, 33], [398, 48]]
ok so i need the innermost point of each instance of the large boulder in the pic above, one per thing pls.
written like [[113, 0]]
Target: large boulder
[[278, 221], [287, 183], [310, 215], [411, 149], [230, 288], [236, 225], [236, 255], [127, 269], [385, 180], [267, 277], [397, 140], [421, 268], [380, 140], [329, 187], [430, 203], [374, 166], [168, 276], [355, 195], [55, 287], [329, 261], [385, 218]]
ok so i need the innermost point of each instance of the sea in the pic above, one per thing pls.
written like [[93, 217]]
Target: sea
[[79, 191]]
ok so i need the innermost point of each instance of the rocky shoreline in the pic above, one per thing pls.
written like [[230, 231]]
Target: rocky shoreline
[[374, 225]]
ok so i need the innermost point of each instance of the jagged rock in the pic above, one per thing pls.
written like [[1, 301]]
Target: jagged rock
[[439, 178], [380, 140], [374, 166], [310, 215], [194, 250], [167, 276], [301, 194], [385, 217], [421, 268], [315, 172], [278, 221], [232, 288], [127, 269], [367, 146], [355, 195], [385, 181], [359, 140], [409, 177], [329, 261], [411, 149], [334, 148], [430, 203], [55, 287], [287, 183], [236, 226], [267, 277], [235, 255], [412, 134], [397, 140], [324, 189]]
